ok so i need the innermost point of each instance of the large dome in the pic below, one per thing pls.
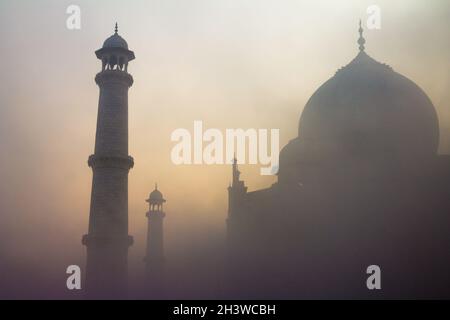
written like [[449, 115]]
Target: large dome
[[369, 109], [366, 116]]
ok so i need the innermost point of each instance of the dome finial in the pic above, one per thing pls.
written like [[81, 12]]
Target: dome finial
[[156, 186], [116, 29], [361, 40]]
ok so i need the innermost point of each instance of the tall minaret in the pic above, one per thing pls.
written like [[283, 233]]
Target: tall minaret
[[107, 241], [154, 259]]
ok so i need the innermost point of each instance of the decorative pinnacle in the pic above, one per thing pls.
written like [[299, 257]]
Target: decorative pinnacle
[[361, 40], [116, 29], [156, 186]]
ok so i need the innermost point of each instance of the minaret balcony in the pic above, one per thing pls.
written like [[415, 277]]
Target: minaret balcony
[[96, 240], [108, 161], [155, 214], [114, 75]]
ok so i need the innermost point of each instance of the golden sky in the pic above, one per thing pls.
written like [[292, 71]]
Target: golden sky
[[231, 64]]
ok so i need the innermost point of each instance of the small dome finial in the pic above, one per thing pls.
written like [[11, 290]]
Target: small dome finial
[[116, 29], [156, 186], [361, 40]]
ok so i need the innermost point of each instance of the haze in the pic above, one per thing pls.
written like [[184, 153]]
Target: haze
[[232, 64]]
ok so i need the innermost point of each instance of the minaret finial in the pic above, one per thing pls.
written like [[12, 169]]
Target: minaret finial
[[156, 186], [361, 40], [116, 29]]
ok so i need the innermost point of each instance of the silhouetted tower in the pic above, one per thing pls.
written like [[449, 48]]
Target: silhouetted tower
[[236, 191], [107, 241], [236, 195], [154, 260], [236, 208]]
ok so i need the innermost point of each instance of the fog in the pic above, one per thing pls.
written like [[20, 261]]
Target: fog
[[232, 64]]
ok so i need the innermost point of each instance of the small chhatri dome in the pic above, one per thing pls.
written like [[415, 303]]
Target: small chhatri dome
[[115, 41], [156, 196], [115, 52]]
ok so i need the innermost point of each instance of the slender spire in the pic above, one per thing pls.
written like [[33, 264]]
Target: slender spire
[[116, 29], [156, 186], [361, 40], [235, 171]]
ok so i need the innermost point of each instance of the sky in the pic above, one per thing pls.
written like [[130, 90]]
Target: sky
[[232, 64]]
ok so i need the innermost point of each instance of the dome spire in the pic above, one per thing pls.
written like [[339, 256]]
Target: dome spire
[[361, 40], [116, 29]]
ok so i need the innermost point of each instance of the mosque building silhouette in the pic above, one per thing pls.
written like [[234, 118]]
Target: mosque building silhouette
[[362, 184]]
